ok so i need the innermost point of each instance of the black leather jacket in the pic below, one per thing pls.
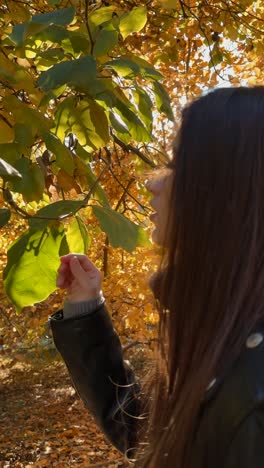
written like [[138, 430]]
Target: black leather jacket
[[231, 426]]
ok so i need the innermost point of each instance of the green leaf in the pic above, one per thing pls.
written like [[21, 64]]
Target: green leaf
[[133, 21], [32, 183], [52, 55], [22, 31], [39, 22], [54, 210], [61, 17], [11, 152], [216, 58], [25, 115], [144, 105], [53, 34], [31, 271], [84, 155], [8, 172], [5, 214], [6, 132], [79, 42], [23, 134], [106, 40], [62, 115], [121, 231], [127, 113], [124, 67], [63, 155], [51, 95], [89, 123], [77, 236], [129, 68], [117, 125], [64, 248], [78, 73], [101, 16], [146, 69], [163, 101]]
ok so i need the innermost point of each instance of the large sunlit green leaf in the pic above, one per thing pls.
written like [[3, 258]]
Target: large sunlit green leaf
[[31, 271], [121, 231]]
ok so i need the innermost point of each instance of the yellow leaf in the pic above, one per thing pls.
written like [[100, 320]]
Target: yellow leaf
[[168, 3]]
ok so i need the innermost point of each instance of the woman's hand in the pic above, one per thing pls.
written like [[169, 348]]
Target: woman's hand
[[80, 277]]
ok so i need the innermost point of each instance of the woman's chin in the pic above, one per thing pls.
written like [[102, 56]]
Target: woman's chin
[[155, 236], [158, 237]]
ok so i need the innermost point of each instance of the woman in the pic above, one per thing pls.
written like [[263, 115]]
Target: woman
[[206, 403]]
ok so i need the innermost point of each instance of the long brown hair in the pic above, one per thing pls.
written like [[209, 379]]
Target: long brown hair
[[212, 282]]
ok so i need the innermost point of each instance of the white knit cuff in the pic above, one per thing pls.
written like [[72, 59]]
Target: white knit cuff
[[74, 310]]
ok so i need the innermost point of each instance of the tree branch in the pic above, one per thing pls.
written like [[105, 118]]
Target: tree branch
[[184, 14], [87, 4], [131, 149]]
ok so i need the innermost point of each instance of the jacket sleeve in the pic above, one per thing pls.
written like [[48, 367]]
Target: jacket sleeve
[[92, 352], [247, 447]]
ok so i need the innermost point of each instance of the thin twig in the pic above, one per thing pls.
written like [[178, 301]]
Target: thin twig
[[124, 193]]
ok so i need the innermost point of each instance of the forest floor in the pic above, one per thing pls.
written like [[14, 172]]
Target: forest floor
[[43, 423]]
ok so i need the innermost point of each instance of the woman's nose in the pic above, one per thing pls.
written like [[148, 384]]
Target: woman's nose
[[154, 185]]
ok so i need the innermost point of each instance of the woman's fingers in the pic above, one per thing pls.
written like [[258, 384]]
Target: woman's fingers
[[64, 276], [76, 269], [67, 258], [87, 264], [83, 260]]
